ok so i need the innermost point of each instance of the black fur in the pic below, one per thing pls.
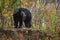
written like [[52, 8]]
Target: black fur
[[23, 15]]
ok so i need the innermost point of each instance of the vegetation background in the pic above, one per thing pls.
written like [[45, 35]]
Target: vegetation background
[[45, 14]]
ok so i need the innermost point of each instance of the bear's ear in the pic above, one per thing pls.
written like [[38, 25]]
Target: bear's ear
[[19, 10]]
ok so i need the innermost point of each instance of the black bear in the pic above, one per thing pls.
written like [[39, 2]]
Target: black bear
[[23, 15]]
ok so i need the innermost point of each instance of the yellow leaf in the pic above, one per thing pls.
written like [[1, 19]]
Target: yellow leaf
[[38, 5]]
